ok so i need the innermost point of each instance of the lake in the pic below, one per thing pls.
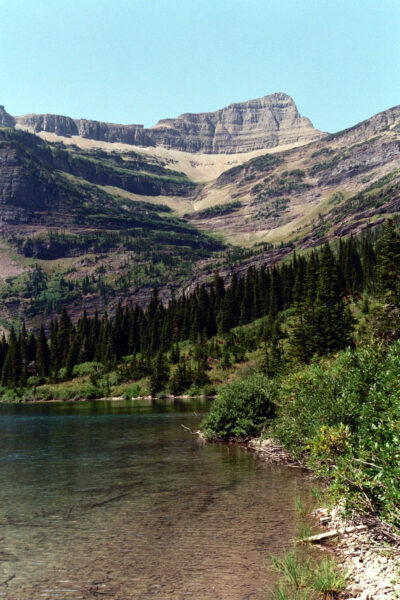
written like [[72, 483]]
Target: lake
[[116, 500]]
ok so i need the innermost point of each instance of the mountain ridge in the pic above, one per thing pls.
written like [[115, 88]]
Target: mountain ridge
[[261, 123]]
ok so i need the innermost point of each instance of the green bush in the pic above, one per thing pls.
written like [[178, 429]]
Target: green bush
[[9, 395], [86, 368], [133, 391], [34, 381], [242, 409], [62, 374], [343, 416], [90, 392]]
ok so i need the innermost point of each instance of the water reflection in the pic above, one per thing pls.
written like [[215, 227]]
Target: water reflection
[[116, 500]]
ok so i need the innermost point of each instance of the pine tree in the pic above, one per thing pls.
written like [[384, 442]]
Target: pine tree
[[332, 330], [273, 360], [23, 351], [42, 359], [72, 356], [174, 354], [159, 374], [182, 378], [63, 337], [388, 264]]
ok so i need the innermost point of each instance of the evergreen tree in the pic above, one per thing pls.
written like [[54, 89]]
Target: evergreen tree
[[42, 359], [181, 379], [159, 374], [332, 329], [388, 264], [174, 354], [72, 356]]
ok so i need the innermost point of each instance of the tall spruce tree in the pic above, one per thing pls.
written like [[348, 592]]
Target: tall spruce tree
[[332, 328], [388, 264], [42, 358]]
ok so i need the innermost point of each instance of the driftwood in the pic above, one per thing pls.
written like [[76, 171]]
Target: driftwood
[[321, 537], [188, 429], [274, 453]]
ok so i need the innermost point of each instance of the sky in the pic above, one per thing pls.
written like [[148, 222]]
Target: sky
[[138, 61]]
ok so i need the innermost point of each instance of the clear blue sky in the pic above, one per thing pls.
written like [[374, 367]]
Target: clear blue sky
[[136, 61]]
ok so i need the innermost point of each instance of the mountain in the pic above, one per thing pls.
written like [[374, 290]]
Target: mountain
[[267, 122], [87, 223], [334, 186], [264, 123]]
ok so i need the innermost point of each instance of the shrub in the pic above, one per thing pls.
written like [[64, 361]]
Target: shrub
[[342, 416], [90, 392], [86, 368], [9, 395], [133, 391], [242, 409]]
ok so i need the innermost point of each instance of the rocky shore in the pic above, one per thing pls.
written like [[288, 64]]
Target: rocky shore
[[366, 548], [369, 552]]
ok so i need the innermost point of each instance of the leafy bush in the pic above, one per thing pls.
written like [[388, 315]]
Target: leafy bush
[[9, 395], [86, 368], [133, 391], [242, 409], [90, 392], [343, 416]]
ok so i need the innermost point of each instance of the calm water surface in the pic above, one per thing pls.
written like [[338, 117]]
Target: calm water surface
[[110, 500]]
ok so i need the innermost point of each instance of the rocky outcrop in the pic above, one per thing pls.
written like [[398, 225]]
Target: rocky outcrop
[[6, 120], [263, 123], [27, 192], [94, 130]]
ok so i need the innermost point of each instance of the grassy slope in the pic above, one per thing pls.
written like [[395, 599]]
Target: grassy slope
[[347, 163]]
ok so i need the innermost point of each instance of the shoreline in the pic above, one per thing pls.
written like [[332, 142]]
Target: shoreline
[[109, 399], [366, 548]]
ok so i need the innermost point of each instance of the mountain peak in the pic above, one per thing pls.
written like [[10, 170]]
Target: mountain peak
[[266, 122]]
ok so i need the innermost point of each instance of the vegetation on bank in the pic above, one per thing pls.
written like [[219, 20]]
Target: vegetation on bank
[[337, 409], [339, 415]]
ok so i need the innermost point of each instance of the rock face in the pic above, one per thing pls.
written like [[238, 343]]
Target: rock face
[[6, 120], [94, 130], [263, 123], [24, 192]]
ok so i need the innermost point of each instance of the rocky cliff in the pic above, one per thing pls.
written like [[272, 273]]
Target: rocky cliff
[[6, 120], [263, 123], [94, 130]]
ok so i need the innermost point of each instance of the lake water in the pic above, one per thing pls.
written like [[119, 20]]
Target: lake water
[[111, 500]]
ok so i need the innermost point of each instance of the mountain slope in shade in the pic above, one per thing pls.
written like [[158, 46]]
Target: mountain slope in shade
[[267, 122]]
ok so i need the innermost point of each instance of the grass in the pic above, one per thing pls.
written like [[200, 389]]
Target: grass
[[304, 531], [299, 580], [327, 579], [282, 593], [300, 506], [295, 571]]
